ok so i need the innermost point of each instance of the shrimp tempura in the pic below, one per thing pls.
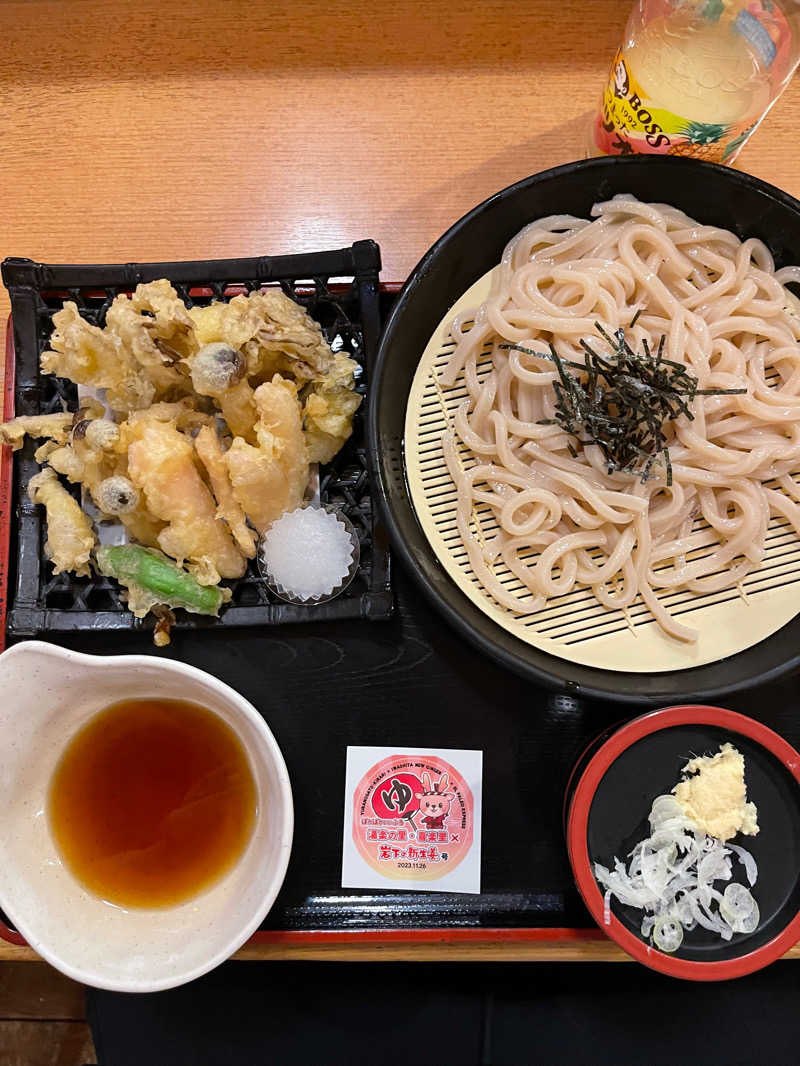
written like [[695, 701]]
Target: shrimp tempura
[[161, 465], [271, 478], [207, 446]]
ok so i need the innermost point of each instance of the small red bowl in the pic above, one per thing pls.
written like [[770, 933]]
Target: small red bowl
[[606, 807]]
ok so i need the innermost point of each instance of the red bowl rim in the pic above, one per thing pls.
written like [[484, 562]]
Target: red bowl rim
[[577, 845]]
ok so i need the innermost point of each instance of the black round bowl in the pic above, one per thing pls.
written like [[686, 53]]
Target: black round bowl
[[712, 194]]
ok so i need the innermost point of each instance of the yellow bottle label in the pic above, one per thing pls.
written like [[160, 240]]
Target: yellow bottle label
[[630, 121]]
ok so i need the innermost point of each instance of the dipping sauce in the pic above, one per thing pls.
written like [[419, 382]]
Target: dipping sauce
[[152, 802]]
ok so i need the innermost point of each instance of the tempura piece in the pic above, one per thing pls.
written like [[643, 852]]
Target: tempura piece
[[89, 455], [216, 367], [208, 447], [91, 409], [287, 330], [141, 525], [117, 495], [151, 578], [94, 458], [219, 371], [139, 334], [161, 465], [95, 434], [54, 427], [275, 332], [182, 413], [329, 409], [233, 324], [271, 478], [88, 355], [65, 461], [70, 537], [172, 327], [44, 451]]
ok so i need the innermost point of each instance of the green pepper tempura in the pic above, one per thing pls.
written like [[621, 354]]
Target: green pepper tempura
[[151, 578]]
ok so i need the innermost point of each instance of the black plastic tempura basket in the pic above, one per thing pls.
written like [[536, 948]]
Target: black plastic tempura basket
[[472, 246], [338, 288]]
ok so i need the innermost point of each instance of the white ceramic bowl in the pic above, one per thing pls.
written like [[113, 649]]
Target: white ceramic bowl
[[47, 695]]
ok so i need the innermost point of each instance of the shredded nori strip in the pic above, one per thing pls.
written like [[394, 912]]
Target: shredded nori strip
[[622, 401]]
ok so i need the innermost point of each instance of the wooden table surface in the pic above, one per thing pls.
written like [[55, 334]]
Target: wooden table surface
[[167, 130], [170, 130]]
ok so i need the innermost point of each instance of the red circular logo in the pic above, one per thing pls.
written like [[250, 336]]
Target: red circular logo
[[397, 796], [413, 826]]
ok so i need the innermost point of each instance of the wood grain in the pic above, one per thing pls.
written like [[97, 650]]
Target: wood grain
[[46, 1044], [571, 950], [35, 992], [42, 1018], [136, 132]]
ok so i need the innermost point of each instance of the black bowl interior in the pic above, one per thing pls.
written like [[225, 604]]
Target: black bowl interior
[[711, 194], [651, 767], [581, 763]]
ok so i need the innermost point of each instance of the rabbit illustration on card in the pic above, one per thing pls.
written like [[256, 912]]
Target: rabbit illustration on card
[[434, 801]]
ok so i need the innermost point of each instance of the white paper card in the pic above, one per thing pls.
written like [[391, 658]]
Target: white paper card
[[412, 819]]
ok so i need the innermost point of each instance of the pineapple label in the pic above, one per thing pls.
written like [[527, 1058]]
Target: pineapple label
[[631, 122]]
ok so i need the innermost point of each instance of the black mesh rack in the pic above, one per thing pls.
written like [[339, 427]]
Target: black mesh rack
[[338, 288]]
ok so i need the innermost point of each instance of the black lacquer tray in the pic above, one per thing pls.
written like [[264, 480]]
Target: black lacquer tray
[[338, 288], [414, 681]]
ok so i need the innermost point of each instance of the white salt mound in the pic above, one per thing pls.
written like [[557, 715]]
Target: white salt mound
[[308, 552]]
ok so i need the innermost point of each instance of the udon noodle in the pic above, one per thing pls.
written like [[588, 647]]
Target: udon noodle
[[561, 520]]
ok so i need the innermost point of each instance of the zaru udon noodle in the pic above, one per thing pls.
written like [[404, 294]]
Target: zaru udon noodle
[[564, 517]]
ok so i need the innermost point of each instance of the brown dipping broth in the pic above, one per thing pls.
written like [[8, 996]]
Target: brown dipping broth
[[152, 802]]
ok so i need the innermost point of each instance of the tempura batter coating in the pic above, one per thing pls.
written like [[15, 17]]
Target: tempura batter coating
[[172, 323], [184, 414], [92, 456], [275, 332], [271, 478], [208, 447], [219, 371], [88, 355], [233, 323], [89, 455], [329, 409], [138, 335], [70, 537], [287, 329], [54, 427], [161, 465]]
